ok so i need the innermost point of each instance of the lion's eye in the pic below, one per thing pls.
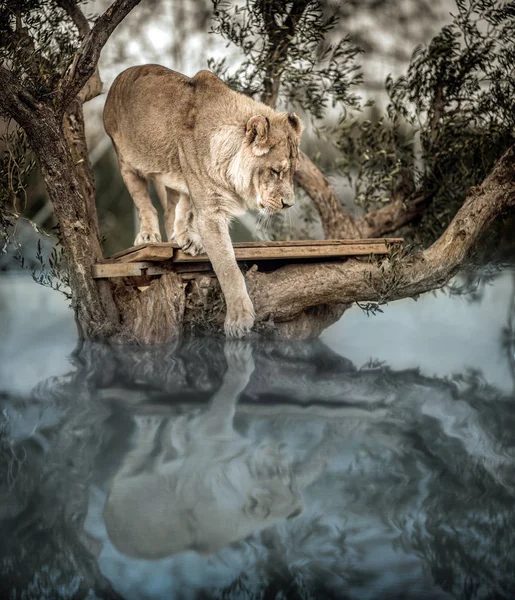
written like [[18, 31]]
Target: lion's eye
[[275, 172]]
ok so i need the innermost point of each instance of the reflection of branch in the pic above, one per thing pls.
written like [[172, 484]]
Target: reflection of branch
[[51, 499], [86, 58]]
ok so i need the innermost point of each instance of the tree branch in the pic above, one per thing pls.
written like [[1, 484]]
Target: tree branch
[[280, 38], [76, 15], [94, 85], [336, 221], [15, 101], [86, 58], [279, 296], [391, 217]]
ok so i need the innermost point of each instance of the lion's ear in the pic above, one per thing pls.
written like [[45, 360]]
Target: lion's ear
[[295, 122], [257, 133]]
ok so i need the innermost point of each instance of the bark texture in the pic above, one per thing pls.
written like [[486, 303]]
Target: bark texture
[[153, 315], [96, 312]]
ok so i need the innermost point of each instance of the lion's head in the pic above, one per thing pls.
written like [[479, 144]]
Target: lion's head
[[261, 164], [272, 145], [201, 503]]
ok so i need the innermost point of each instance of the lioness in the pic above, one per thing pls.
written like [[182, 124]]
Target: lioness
[[211, 153], [193, 483]]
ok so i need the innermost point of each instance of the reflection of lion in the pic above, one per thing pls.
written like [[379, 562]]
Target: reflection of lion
[[195, 484]]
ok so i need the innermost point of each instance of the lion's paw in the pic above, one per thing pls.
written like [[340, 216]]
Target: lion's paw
[[148, 424], [190, 242], [239, 319], [145, 237], [239, 356]]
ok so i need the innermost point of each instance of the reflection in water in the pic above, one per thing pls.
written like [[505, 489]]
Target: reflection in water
[[230, 470], [191, 482]]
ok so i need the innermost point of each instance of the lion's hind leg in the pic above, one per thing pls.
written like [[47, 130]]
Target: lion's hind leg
[[149, 221], [169, 199], [185, 228]]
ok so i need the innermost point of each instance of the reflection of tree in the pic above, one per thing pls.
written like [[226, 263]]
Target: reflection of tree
[[44, 548], [421, 465]]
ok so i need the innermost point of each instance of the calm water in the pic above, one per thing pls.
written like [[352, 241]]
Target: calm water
[[377, 462]]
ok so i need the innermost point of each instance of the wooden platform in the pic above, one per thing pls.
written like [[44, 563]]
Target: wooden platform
[[158, 258]]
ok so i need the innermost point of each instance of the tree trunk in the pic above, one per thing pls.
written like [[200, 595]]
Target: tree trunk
[[96, 313]]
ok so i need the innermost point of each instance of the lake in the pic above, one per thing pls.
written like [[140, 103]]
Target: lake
[[375, 462]]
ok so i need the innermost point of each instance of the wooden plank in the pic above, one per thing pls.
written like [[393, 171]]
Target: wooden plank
[[154, 253], [293, 252], [159, 251], [293, 243], [131, 269], [120, 269], [153, 248]]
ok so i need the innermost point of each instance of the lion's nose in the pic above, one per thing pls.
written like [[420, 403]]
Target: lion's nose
[[286, 203]]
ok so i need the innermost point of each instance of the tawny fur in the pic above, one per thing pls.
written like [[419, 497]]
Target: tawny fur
[[211, 154]]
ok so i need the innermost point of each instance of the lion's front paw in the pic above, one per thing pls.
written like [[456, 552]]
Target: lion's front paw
[[239, 357], [145, 237], [240, 318], [148, 424], [190, 242]]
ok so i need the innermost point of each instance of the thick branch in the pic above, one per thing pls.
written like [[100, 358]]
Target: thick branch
[[336, 221], [76, 15], [287, 292], [93, 87], [15, 102], [391, 217], [86, 58], [279, 38]]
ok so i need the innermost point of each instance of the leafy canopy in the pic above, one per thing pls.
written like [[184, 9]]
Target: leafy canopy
[[447, 121]]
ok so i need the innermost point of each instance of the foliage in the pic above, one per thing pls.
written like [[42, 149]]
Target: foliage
[[16, 164], [286, 44], [448, 120], [37, 41], [52, 274]]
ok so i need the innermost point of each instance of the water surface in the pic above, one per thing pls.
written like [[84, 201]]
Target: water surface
[[377, 462]]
